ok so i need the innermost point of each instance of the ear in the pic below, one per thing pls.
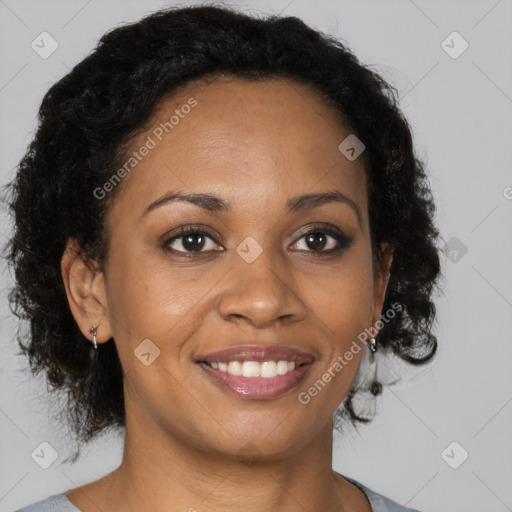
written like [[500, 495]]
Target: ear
[[86, 293], [381, 279]]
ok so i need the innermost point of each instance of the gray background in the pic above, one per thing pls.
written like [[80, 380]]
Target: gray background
[[460, 111]]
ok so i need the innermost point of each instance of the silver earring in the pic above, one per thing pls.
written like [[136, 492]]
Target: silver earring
[[362, 402], [93, 331]]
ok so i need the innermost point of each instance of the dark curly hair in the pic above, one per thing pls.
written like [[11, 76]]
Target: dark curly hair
[[86, 122]]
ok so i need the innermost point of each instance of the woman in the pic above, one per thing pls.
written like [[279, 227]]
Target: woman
[[219, 227]]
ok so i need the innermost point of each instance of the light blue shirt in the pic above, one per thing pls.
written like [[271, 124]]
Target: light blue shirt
[[59, 502]]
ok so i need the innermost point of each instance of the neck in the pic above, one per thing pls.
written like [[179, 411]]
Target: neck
[[166, 475], [164, 470], [160, 471]]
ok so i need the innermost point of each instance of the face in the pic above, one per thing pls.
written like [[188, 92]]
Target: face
[[259, 272]]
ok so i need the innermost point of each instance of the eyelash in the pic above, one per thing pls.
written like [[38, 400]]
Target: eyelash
[[343, 240]]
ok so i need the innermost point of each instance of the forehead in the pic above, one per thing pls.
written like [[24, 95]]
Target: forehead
[[253, 140]]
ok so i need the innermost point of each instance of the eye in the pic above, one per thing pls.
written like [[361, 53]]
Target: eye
[[191, 240], [323, 239]]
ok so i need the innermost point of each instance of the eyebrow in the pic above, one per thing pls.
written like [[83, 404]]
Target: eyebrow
[[215, 204]]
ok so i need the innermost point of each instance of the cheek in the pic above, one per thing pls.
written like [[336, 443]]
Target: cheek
[[342, 296], [150, 297], [342, 305]]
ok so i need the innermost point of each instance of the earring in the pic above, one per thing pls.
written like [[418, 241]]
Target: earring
[[362, 399], [376, 386], [93, 331]]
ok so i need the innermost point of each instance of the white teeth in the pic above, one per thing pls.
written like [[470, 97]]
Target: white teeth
[[250, 369], [266, 369], [235, 368], [282, 367]]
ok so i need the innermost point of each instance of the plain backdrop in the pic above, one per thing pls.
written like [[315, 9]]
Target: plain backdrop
[[459, 104]]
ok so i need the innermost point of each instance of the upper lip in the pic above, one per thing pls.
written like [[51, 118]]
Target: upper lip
[[258, 353]]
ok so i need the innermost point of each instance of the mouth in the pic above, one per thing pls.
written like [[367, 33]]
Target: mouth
[[257, 372]]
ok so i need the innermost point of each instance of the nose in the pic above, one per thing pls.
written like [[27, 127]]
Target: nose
[[260, 293]]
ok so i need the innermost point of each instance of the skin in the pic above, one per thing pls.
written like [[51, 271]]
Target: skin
[[255, 145]]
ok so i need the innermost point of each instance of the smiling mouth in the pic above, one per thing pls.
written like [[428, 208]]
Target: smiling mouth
[[250, 369], [257, 372]]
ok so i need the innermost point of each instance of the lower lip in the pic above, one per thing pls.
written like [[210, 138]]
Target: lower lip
[[258, 388]]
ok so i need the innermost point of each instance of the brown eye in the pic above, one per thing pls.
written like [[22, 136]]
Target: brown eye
[[190, 240], [317, 240], [323, 240]]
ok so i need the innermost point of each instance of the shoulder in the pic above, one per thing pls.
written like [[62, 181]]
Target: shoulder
[[55, 503], [379, 502]]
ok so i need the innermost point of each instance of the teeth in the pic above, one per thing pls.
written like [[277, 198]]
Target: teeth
[[267, 369], [250, 369], [235, 368], [282, 367]]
